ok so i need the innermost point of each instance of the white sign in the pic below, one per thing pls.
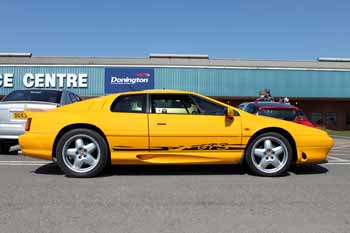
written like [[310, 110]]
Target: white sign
[[128, 81], [48, 80], [6, 80]]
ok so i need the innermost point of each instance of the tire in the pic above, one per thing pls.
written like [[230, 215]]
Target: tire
[[269, 154], [5, 148], [2, 149], [82, 153]]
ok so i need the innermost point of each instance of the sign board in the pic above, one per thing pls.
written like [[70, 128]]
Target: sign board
[[46, 80], [128, 79]]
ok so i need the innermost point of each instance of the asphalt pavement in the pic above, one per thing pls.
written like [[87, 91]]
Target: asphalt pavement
[[36, 197]]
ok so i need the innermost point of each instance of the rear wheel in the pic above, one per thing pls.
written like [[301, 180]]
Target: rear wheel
[[269, 154], [82, 153]]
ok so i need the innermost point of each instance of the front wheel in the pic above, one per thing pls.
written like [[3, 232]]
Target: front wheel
[[269, 154], [82, 153]]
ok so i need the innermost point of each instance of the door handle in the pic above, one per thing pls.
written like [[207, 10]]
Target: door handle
[[161, 123]]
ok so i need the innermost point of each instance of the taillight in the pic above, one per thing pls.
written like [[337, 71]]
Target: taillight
[[28, 123]]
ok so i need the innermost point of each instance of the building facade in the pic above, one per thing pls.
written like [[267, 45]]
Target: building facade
[[321, 88]]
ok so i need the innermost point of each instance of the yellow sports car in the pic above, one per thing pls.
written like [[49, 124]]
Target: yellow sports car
[[167, 127]]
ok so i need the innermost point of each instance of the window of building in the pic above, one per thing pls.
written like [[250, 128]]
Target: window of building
[[316, 118], [331, 118], [130, 103], [347, 119]]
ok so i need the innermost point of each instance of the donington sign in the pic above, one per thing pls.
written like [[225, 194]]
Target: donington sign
[[47, 80], [128, 79]]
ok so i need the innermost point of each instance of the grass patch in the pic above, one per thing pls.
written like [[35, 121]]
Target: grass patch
[[345, 133]]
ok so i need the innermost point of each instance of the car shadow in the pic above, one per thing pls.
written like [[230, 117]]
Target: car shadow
[[150, 170], [313, 169], [154, 170], [49, 169]]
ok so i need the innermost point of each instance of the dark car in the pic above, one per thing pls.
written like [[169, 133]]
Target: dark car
[[277, 110]]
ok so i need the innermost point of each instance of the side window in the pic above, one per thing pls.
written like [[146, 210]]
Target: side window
[[130, 103], [77, 98], [173, 104], [73, 98], [206, 107]]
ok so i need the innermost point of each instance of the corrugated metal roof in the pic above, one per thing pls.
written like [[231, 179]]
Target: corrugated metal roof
[[111, 61]]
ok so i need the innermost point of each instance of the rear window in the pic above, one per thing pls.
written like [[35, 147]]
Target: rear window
[[285, 114], [251, 108], [37, 95], [301, 113]]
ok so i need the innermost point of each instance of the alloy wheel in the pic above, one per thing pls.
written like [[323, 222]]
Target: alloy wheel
[[81, 153], [269, 154]]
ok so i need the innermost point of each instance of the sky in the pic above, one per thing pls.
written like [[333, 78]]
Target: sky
[[246, 29]]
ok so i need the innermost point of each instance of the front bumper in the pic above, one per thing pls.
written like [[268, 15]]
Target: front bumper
[[315, 151]]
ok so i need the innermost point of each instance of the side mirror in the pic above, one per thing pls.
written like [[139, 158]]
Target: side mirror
[[229, 113]]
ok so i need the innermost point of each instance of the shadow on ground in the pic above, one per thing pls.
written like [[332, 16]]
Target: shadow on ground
[[49, 169], [308, 169], [150, 170]]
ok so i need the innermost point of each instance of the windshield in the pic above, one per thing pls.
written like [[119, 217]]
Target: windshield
[[37, 95], [285, 114]]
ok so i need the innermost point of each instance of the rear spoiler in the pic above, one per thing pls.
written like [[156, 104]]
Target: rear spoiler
[[31, 102]]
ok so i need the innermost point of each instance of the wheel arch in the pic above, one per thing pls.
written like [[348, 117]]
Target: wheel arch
[[76, 126], [281, 131]]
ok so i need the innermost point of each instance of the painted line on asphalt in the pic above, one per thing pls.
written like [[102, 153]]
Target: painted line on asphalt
[[24, 163], [338, 159], [335, 163], [347, 146], [20, 164], [335, 154]]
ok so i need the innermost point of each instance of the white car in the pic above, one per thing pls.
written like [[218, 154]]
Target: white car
[[13, 118]]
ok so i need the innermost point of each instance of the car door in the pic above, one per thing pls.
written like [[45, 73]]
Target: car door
[[192, 125], [127, 129]]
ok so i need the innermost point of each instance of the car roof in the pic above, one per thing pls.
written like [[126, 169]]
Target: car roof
[[165, 91], [152, 91], [273, 105], [41, 89]]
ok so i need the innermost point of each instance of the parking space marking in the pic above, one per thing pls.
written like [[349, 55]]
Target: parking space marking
[[335, 163], [338, 159], [24, 163], [337, 154]]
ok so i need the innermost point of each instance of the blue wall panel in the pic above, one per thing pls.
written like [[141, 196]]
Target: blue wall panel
[[95, 77], [245, 82], [211, 81]]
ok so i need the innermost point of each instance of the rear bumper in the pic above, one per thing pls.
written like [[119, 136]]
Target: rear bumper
[[11, 131], [37, 145]]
